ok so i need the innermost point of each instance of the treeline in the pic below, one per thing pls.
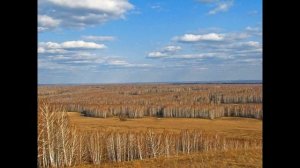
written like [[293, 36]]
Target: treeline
[[177, 111], [134, 101], [60, 144]]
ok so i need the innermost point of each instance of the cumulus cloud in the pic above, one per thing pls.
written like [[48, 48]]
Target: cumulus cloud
[[75, 58], [75, 13], [81, 45], [78, 55], [200, 37], [239, 47], [99, 38], [157, 54], [46, 50], [212, 37], [46, 22], [53, 47], [164, 52], [116, 7], [78, 60], [42, 29]]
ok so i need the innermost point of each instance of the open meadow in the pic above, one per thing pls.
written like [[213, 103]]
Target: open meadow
[[150, 125]]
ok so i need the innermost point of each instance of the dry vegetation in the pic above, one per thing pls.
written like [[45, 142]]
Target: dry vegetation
[[129, 134], [135, 101], [250, 158], [230, 127]]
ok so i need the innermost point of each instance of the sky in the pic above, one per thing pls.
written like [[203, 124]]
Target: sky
[[124, 41]]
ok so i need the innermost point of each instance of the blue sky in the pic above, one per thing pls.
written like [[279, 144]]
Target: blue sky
[[117, 41]]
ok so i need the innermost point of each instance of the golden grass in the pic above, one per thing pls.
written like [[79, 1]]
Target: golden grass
[[227, 126], [251, 158]]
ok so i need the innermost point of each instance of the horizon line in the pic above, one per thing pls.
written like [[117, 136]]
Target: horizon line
[[170, 82]]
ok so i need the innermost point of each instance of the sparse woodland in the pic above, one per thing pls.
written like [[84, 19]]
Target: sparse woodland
[[61, 144], [135, 101]]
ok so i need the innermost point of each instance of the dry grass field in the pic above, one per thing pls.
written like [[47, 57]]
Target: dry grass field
[[227, 126], [157, 125]]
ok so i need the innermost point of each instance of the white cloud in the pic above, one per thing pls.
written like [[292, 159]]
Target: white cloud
[[214, 49], [248, 28], [212, 37], [52, 47], [234, 45], [219, 5], [157, 54], [99, 38], [253, 44], [171, 48], [117, 62], [41, 50], [42, 29], [59, 57], [196, 56], [158, 7], [139, 65], [46, 22], [82, 44], [257, 31], [75, 59], [78, 60], [189, 56], [44, 50], [249, 61], [237, 36], [83, 13], [46, 64], [116, 7], [197, 38], [164, 52]]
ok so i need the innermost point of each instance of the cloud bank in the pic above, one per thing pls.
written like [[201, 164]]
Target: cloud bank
[[79, 13]]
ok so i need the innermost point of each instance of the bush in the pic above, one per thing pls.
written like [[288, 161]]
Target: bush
[[123, 118]]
